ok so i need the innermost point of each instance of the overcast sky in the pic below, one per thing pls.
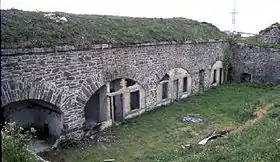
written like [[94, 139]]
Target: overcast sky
[[253, 15]]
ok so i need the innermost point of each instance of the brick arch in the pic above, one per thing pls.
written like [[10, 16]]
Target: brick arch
[[13, 91]]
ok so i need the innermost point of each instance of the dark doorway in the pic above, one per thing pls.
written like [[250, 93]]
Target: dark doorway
[[185, 84], [46, 129], [176, 89], [201, 79], [221, 76], [118, 107], [214, 76], [134, 100], [230, 74], [92, 109], [165, 90], [245, 78]]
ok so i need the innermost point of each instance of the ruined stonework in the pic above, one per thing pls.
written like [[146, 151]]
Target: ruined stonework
[[270, 34], [256, 64], [117, 82]]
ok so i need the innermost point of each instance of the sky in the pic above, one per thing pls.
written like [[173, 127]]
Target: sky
[[252, 16]]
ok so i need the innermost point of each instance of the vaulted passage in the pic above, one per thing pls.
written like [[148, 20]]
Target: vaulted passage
[[44, 117], [115, 101]]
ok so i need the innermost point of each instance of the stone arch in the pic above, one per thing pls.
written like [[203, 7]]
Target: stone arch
[[93, 83], [45, 117], [217, 74], [13, 91], [96, 92], [178, 85], [35, 98]]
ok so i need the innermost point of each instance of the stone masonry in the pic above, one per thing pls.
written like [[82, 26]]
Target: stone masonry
[[262, 65], [67, 77]]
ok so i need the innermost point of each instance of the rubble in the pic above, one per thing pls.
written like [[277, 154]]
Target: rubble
[[191, 118]]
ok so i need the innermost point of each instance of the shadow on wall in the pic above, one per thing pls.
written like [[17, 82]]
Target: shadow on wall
[[44, 117]]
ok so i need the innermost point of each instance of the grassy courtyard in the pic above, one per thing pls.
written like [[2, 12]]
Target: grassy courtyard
[[158, 135]]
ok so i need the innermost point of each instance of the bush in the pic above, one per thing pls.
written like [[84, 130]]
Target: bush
[[14, 143]]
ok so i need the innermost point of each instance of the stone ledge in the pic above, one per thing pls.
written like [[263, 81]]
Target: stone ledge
[[66, 48]]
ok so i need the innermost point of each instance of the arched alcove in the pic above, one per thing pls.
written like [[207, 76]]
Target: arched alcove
[[46, 118], [175, 84], [217, 74], [115, 101]]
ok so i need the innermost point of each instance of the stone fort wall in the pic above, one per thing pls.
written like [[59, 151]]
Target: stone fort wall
[[68, 76], [256, 64]]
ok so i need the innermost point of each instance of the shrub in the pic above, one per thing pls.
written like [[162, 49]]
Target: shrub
[[14, 143]]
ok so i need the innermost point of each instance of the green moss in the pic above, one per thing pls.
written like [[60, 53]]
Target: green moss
[[29, 29]]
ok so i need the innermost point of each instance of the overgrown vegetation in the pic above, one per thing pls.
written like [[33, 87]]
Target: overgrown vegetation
[[14, 144], [158, 136], [33, 29], [255, 42]]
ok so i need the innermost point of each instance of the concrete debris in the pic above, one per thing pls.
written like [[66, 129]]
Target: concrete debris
[[109, 160], [186, 146], [214, 135], [191, 118]]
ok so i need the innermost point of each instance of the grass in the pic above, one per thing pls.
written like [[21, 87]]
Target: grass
[[32, 29], [158, 136]]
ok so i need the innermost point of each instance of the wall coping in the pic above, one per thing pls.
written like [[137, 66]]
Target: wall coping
[[258, 47], [66, 48]]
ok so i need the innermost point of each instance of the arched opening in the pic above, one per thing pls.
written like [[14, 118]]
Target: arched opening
[[43, 116], [217, 76], [115, 101], [174, 85]]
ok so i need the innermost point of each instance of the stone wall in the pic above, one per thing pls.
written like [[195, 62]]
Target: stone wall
[[270, 34], [259, 64], [67, 76]]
